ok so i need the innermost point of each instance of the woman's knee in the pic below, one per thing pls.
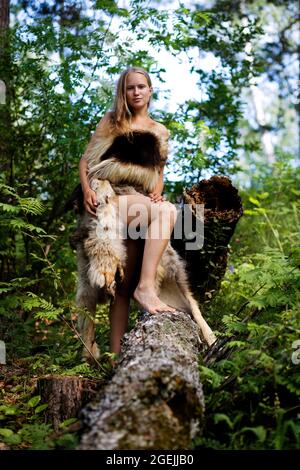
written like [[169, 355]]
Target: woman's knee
[[133, 208]]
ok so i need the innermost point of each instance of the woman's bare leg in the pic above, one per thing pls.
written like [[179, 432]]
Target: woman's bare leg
[[119, 307], [161, 225], [161, 218], [118, 317]]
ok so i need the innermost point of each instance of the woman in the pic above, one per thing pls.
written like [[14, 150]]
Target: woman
[[130, 114]]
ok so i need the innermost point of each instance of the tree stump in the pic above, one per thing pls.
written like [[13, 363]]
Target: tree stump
[[155, 399], [65, 396], [206, 266]]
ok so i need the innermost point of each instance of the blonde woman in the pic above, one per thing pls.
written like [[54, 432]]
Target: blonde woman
[[126, 155], [130, 113]]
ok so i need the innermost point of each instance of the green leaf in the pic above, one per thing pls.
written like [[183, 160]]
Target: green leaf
[[41, 408], [9, 208], [34, 401], [219, 417], [6, 432], [211, 376], [14, 439], [254, 201], [259, 431], [263, 195], [8, 410], [67, 422]]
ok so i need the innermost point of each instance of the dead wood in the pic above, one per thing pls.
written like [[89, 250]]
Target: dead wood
[[206, 266], [65, 396], [155, 399]]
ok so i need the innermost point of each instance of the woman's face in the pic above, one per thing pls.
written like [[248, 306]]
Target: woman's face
[[138, 92]]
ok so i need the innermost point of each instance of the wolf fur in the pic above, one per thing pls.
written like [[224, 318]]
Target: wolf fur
[[133, 160], [104, 246], [101, 251]]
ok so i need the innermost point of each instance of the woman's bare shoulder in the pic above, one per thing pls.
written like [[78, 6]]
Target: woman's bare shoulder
[[104, 125], [162, 130]]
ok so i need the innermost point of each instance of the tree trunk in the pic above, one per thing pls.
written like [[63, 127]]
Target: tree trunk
[[7, 262], [6, 153], [65, 396], [155, 399]]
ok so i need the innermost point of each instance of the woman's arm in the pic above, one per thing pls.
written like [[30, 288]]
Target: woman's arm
[[89, 196], [156, 195]]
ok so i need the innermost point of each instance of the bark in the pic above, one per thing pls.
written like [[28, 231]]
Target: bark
[[4, 15], [65, 396], [7, 267], [6, 152], [155, 399], [206, 266]]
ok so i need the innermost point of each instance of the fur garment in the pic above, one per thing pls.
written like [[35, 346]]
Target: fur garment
[[133, 159]]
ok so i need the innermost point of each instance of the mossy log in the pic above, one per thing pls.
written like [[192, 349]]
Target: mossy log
[[206, 265], [155, 398], [65, 396]]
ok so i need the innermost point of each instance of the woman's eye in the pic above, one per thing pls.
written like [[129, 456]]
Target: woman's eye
[[140, 87]]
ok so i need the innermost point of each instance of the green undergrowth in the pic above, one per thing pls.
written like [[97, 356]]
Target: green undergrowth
[[38, 346]]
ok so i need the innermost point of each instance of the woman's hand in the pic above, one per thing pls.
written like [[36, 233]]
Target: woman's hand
[[90, 201], [156, 197]]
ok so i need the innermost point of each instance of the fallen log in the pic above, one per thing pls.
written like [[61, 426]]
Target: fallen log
[[155, 399]]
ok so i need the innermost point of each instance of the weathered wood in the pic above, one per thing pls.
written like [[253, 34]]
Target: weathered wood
[[155, 399], [206, 266], [65, 396]]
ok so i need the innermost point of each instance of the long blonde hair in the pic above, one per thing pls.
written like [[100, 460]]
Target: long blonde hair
[[121, 115]]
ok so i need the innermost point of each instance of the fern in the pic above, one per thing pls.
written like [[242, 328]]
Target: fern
[[45, 309]]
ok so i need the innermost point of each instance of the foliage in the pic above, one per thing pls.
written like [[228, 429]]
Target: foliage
[[61, 66], [206, 132], [22, 425]]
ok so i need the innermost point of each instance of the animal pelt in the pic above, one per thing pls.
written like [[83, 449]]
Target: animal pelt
[[131, 162], [122, 164], [141, 147], [102, 258], [133, 159], [104, 245]]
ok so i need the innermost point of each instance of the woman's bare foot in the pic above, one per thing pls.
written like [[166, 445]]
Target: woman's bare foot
[[148, 299]]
